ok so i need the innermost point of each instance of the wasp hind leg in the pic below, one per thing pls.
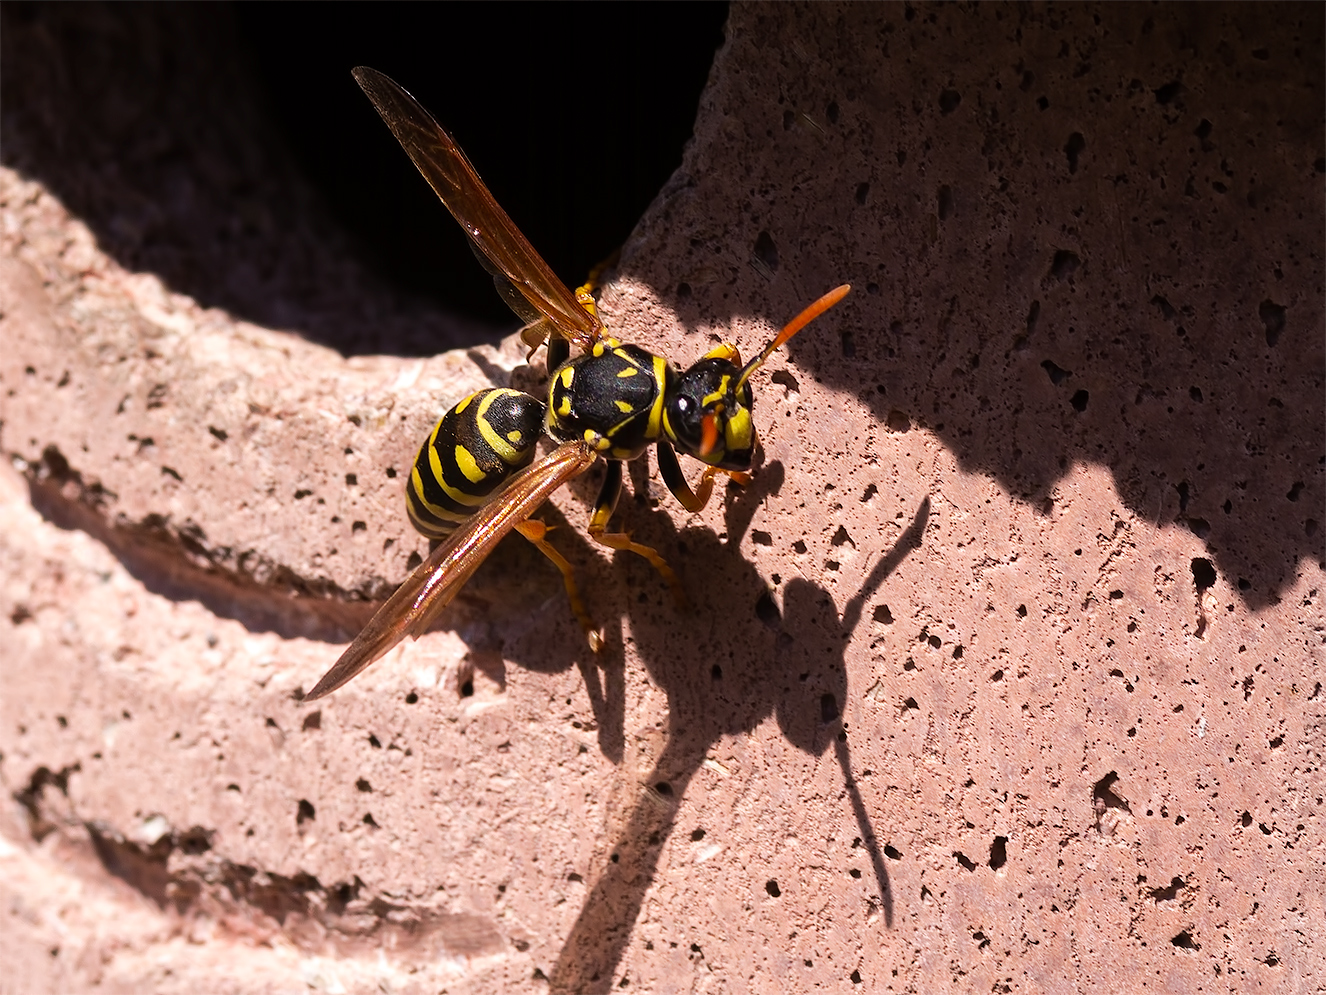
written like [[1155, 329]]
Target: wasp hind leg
[[598, 531], [537, 532], [691, 500]]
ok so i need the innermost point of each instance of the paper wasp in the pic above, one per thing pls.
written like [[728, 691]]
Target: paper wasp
[[474, 479]]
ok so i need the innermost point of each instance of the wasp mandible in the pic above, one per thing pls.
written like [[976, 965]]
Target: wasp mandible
[[475, 479]]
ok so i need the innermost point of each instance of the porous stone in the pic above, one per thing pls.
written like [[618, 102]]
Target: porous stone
[[1002, 675]]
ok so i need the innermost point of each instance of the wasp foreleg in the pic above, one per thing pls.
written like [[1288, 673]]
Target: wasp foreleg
[[598, 530]]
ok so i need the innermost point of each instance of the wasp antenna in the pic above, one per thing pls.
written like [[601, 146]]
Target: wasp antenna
[[795, 325]]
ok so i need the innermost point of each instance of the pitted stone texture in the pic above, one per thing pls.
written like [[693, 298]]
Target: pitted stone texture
[[1003, 674]]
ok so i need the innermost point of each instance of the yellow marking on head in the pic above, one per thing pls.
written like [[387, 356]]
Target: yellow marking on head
[[564, 409], [466, 403], [630, 371], [567, 375], [467, 465], [515, 436], [624, 407], [740, 433], [719, 394]]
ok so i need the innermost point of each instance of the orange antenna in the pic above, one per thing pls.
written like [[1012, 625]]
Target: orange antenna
[[794, 326]]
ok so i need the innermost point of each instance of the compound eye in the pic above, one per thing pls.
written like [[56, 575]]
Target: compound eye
[[684, 405]]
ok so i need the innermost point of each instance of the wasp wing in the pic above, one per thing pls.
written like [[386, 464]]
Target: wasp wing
[[508, 255], [439, 578]]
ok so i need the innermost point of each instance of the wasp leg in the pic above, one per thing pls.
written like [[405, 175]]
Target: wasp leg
[[536, 532], [724, 350], [559, 351], [672, 474], [598, 530]]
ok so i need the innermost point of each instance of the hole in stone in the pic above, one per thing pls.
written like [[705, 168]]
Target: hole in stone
[[1102, 793], [1168, 92], [766, 251], [766, 610], [1273, 317], [945, 199], [1079, 400], [1245, 820], [771, 886], [1203, 573], [312, 721], [1074, 148], [370, 821], [892, 852], [964, 860], [828, 708], [697, 835], [305, 812], [1057, 374], [948, 101], [411, 698], [1185, 941], [363, 785], [1064, 264], [998, 852]]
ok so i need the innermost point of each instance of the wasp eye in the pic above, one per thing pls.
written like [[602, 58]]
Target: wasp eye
[[684, 405]]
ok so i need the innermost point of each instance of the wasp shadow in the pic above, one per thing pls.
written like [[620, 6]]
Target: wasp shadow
[[733, 664]]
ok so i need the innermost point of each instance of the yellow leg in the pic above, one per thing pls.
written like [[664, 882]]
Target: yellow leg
[[695, 500], [537, 532], [598, 531]]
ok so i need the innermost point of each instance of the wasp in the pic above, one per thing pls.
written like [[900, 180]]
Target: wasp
[[475, 480]]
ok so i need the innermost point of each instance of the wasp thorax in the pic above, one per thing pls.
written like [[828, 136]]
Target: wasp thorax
[[708, 415]]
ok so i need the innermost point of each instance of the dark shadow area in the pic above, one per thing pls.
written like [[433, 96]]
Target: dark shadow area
[[179, 873], [1112, 259], [269, 597], [728, 666], [227, 149]]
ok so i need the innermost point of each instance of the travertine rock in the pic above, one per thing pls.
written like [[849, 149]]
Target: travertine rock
[[1003, 675]]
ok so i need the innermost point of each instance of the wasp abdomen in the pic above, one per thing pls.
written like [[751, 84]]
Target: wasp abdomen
[[470, 453]]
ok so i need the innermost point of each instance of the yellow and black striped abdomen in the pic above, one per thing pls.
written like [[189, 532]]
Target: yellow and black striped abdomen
[[470, 453]]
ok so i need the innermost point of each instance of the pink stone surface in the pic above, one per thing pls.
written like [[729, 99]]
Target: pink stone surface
[[1003, 675]]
